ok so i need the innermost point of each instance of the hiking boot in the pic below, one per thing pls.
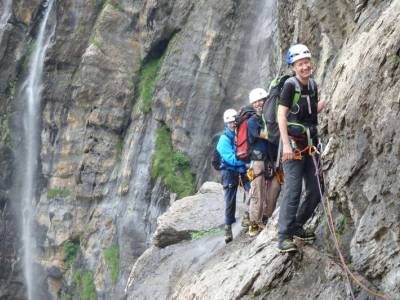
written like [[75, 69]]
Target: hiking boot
[[246, 220], [287, 246], [253, 230], [228, 234], [305, 235]]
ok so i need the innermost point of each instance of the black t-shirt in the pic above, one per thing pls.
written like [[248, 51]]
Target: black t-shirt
[[306, 111]]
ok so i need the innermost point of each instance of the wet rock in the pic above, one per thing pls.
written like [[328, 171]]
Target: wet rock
[[55, 272]]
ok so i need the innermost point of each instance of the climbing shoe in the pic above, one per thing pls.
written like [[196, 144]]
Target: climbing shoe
[[287, 246], [228, 234], [265, 220], [304, 235], [246, 220], [253, 230]]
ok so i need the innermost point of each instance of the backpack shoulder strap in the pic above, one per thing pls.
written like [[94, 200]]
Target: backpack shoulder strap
[[312, 86], [231, 139], [297, 89]]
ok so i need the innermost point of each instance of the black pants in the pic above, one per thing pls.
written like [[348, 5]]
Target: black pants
[[293, 216]]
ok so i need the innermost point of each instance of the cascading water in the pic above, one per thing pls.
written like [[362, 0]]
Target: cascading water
[[5, 15], [31, 94]]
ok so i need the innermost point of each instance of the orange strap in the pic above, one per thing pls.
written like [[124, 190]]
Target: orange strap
[[298, 154]]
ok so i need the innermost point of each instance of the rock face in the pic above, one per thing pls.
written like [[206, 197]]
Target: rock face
[[99, 200]]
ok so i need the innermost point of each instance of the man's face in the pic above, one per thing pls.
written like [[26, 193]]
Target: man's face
[[258, 105], [302, 67], [231, 125]]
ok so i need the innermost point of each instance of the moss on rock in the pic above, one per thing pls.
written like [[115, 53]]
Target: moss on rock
[[172, 166]]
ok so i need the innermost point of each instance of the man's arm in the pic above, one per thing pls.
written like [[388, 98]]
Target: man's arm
[[227, 152], [282, 122], [321, 105]]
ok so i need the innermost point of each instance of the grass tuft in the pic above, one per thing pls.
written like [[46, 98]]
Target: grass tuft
[[111, 256], [118, 149], [71, 249], [58, 192], [85, 282], [147, 82], [197, 235], [172, 166]]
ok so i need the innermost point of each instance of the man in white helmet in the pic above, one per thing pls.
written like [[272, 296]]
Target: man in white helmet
[[298, 122], [231, 170], [264, 190]]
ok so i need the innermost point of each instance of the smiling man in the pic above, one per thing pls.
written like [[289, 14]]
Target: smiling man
[[298, 127]]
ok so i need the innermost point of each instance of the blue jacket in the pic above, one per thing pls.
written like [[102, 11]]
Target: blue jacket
[[226, 148]]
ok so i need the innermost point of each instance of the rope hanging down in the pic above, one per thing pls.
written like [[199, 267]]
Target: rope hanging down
[[332, 229]]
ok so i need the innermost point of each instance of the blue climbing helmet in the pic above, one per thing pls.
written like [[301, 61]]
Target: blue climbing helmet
[[297, 52]]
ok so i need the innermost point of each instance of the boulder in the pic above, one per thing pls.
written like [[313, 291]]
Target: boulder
[[202, 211]]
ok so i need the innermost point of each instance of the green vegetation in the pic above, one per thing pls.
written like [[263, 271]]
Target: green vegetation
[[261, 292], [197, 235], [172, 166], [341, 226], [71, 248], [118, 148], [85, 282], [394, 58], [66, 297], [94, 41], [98, 4], [116, 5], [12, 88], [28, 54], [5, 135], [147, 81], [111, 256], [58, 192]]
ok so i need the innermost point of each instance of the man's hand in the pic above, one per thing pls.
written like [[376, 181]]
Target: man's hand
[[321, 105], [287, 153], [263, 134]]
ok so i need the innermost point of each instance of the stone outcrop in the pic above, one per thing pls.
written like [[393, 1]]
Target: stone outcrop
[[199, 212]]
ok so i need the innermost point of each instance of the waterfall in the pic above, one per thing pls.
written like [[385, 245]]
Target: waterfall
[[31, 94], [5, 15]]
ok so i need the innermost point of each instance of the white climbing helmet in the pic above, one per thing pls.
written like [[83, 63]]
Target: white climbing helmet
[[297, 52], [229, 115], [257, 94]]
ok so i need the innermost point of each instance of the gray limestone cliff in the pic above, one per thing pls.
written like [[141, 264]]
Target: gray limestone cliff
[[133, 92]]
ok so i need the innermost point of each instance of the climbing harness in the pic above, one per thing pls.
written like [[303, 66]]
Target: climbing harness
[[251, 175], [331, 224]]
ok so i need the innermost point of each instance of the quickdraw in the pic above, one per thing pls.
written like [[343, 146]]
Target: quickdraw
[[251, 175], [280, 176]]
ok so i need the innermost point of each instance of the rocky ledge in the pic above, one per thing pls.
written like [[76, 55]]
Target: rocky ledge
[[189, 259]]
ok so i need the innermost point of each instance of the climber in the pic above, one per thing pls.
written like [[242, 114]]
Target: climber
[[264, 187], [233, 171], [298, 128]]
